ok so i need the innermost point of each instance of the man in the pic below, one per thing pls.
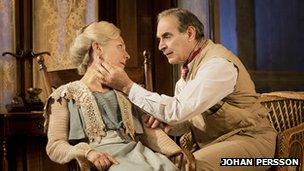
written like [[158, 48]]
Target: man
[[215, 97]]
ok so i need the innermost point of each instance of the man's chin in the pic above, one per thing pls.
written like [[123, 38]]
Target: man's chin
[[172, 61]]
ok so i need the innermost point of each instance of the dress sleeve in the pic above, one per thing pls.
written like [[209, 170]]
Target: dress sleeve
[[159, 141], [58, 147]]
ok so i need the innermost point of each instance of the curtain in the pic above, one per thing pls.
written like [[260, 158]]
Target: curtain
[[55, 23], [8, 72]]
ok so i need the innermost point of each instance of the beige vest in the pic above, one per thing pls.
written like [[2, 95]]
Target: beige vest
[[238, 112]]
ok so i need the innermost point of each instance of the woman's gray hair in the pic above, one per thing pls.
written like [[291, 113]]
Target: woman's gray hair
[[81, 48], [185, 19]]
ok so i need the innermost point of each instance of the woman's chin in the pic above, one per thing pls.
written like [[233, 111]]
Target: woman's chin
[[122, 66]]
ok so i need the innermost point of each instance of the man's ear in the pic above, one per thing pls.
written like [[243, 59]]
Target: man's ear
[[191, 32]]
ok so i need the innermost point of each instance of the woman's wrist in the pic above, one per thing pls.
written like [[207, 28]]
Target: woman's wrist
[[87, 153]]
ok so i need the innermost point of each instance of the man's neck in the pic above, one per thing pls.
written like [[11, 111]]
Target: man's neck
[[195, 50]]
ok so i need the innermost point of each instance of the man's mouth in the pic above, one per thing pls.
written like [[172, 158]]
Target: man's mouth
[[167, 54]]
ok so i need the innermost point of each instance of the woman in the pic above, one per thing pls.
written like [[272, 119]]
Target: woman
[[90, 111]]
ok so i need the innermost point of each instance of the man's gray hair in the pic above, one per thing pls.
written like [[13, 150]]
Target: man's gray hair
[[185, 19]]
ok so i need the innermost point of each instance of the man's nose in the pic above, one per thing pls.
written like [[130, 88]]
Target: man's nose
[[162, 46]]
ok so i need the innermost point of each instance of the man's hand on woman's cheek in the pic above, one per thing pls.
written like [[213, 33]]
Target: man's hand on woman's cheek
[[115, 77]]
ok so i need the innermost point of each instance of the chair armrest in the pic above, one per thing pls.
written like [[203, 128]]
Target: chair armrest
[[189, 159], [290, 144], [187, 142], [288, 138], [184, 160], [159, 141]]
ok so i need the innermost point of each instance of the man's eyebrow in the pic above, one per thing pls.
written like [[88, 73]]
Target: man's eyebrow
[[166, 34]]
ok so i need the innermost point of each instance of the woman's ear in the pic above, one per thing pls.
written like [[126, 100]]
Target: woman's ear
[[96, 47], [97, 51], [191, 31]]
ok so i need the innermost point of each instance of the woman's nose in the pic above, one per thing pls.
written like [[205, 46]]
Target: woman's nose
[[127, 56]]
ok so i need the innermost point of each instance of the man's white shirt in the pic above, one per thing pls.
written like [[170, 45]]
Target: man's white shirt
[[214, 80]]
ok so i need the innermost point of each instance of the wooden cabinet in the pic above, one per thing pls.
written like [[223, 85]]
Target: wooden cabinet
[[23, 143]]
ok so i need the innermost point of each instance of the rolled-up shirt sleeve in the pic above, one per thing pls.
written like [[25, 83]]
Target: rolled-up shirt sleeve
[[214, 81]]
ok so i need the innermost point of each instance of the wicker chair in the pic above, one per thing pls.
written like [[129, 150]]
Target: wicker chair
[[287, 117]]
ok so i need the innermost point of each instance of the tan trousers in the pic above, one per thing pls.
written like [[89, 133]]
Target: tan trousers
[[237, 146]]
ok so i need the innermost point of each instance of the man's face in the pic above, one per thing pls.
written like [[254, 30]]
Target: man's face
[[172, 43]]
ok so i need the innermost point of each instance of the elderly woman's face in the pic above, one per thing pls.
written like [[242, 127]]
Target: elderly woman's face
[[115, 52]]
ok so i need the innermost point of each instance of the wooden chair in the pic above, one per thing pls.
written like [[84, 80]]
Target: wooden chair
[[287, 117], [141, 75]]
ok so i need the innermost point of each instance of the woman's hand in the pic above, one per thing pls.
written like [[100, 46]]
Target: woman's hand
[[102, 161]]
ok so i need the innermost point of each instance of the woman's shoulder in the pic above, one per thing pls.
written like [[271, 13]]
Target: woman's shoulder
[[69, 85], [70, 90]]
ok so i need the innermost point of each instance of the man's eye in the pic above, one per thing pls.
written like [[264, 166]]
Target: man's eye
[[167, 37]]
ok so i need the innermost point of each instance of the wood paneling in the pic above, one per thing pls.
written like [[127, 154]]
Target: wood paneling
[[245, 25], [24, 43], [23, 143], [267, 81], [107, 10], [164, 81], [127, 22]]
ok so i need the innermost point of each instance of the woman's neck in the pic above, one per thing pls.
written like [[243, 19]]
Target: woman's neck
[[97, 87], [93, 84]]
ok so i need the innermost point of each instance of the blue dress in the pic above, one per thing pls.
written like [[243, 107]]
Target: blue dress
[[131, 155]]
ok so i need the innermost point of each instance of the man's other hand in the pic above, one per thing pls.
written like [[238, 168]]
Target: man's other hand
[[152, 122]]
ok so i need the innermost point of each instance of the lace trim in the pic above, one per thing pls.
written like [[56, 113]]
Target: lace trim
[[126, 114], [84, 99]]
